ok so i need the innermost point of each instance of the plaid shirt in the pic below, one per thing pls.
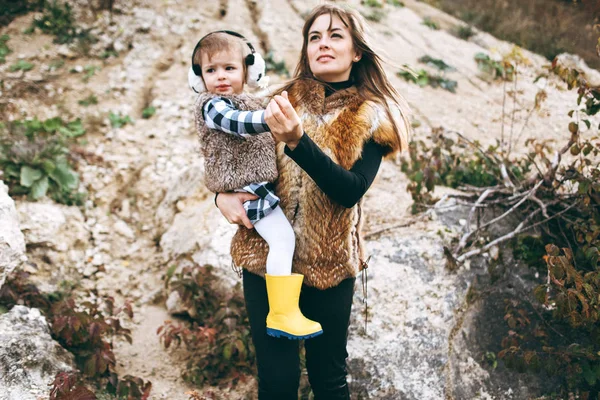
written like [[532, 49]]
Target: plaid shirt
[[220, 114]]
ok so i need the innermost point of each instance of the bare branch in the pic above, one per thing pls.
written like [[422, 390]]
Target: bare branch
[[512, 121], [463, 241], [477, 203], [542, 206], [505, 177], [512, 234], [501, 239], [389, 228]]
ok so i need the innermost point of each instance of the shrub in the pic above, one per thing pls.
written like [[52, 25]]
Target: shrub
[[11, 9], [58, 20], [148, 112], [218, 340], [423, 78], [84, 328], [556, 330], [465, 32], [34, 158], [436, 62], [21, 65], [56, 64], [375, 15], [427, 21], [118, 120], [395, 3], [372, 3], [495, 69], [90, 70], [67, 386], [449, 162], [4, 50], [547, 27], [90, 100], [277, 67]]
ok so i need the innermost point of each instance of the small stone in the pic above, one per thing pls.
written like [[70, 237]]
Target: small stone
[[89, 270], [123, 229]]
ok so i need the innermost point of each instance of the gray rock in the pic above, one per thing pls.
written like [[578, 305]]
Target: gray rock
[[12, 241], [189, 183], [29, 357], [175, 306], [423, 339], [53, 226], [574, 61]]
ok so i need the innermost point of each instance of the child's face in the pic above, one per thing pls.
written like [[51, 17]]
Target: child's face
[[223, 73]]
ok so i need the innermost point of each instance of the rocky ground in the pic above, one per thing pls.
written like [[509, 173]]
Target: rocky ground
[[147, 206]]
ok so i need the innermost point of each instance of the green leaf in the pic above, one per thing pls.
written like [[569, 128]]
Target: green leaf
[[39, 188], [52, 125], [171, 271], [418, 177], [540, 293], [89, 368], [48, 166], [29, 175], [64, 176], [575, 149], [588, 374], [148, 112], [227, 352], [573, 127], [587, 123], [72, 129], [592, 254]]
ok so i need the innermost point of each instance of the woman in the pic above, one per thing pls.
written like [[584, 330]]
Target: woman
[[334, 122]]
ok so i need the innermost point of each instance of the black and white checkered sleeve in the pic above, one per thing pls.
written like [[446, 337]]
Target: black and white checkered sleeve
[[220, 114]]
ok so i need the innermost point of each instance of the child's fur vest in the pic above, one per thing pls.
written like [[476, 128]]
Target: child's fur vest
[[232, 162], [328, 236]]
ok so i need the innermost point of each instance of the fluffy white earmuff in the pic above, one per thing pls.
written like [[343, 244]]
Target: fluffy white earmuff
[[256, 72], [195, 82]]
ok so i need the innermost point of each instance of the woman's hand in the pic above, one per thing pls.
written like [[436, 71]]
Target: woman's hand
[[231, 206], [283, 121]]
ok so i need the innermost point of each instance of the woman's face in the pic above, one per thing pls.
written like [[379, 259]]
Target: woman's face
[[330, 50]]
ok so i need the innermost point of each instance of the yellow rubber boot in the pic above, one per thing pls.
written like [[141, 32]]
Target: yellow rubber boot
[[285, 318]]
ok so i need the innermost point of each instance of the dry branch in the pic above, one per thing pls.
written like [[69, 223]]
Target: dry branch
[[463, 241]]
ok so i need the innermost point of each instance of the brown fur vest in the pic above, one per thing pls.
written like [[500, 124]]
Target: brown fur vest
[[328, 236], [232, 162]]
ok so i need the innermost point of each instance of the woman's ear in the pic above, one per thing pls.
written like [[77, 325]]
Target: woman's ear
[[357, 57]]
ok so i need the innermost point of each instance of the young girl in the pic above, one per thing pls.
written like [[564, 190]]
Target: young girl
[[239, 155], [340, 117]]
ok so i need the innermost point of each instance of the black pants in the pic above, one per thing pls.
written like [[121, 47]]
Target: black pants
[[278, 358]]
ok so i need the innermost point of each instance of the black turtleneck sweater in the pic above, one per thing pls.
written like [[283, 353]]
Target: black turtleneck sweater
[[344, 187]]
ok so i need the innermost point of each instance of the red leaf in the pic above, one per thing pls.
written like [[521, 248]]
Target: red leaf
[[128, 309]]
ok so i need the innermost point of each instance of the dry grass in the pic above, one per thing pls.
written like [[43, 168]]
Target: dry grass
[[547, 27]]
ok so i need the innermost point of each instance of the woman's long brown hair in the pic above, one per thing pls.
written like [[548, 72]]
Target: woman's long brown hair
[[367, 73]]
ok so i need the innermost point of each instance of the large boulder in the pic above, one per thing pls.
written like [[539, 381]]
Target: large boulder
[[426, 338], [55, 234], [29, 357], [12, 242], [53, 226]]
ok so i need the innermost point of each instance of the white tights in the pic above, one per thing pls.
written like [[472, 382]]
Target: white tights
[[279, 235]]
